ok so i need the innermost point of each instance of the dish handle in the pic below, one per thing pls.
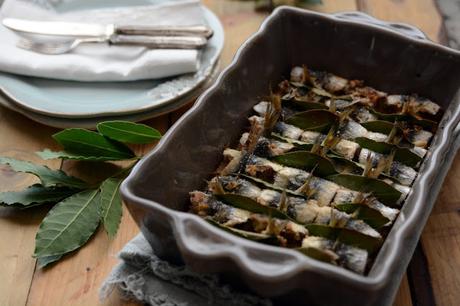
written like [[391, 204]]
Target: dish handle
[[456, 137], [401, 28]]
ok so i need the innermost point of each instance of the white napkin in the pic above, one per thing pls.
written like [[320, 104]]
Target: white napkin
[[99, 62]]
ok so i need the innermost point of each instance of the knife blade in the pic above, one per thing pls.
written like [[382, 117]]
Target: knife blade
[[73, 29]]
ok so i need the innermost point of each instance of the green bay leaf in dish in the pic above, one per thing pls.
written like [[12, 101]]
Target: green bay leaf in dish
[[317, 120]]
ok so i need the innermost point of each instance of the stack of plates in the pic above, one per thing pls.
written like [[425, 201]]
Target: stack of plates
[[79, 104]]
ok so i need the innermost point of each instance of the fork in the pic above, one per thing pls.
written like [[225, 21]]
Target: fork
[[153, 42]]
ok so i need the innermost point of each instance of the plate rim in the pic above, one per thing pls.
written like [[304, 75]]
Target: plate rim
[[90, 123], [131, 111]]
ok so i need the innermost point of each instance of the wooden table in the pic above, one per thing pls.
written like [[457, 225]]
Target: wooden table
[[432, 278]]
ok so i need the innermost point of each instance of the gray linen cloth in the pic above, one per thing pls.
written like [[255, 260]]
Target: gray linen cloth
[[143, 276]]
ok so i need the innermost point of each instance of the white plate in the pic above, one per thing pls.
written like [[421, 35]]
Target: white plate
[[90, 123], [67, 99]]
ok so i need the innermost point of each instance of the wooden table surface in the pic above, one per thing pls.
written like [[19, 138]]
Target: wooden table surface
[[433, 277]]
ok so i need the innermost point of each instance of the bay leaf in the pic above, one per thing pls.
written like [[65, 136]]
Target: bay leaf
[[91, 144], [345, 236], [35, 194], [69, 224], [425, 123], [378, 188], [300, 104], [248, 204], [403, 155], [307, 161], [379, 126], [265, 238], [47, 176], [48, 154], [111, 205], [264, 184], [128, 132], [299, 145], [369, 215], [318, 120], [42, 262]]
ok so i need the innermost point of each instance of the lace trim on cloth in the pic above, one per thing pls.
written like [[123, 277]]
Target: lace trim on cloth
[[144, 277]]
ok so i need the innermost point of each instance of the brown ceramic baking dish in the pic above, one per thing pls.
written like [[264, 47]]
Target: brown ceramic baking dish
[[395, 58]]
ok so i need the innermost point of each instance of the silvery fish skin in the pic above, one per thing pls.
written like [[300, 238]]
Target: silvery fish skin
[[345, 196], [292, 179], [304, 211], [363, 115], [287, 232], [286, 177], [205, 205], [404, 174], [330, 82], [351, 129], [350, 257], [306, 199], [419, 138], [346, 148], [421, 105], [267, 147]]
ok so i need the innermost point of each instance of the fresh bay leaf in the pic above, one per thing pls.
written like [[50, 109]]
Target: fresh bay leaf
[[318, 120], [111, 206], [91, 144], [261, 183], [403, 155], [248, 204], [69, 224], [48, 177], [345, 236], [321, 92], [128, 132], [307, 161], [299, 145], [270, 239], [35, 194], [48, 154], [363, 212], [303, 105], [345, 166], [42, 262], [380, 126], [392, 117], [378, 188]]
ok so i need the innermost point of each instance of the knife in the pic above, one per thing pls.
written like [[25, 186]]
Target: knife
[[58, 28]]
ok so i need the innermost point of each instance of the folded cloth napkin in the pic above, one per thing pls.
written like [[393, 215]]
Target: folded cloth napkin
[[99, 62], [143, 276]]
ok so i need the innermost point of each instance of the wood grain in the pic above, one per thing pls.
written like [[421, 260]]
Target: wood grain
[[84, 271], [19, 139], [421, 13]]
